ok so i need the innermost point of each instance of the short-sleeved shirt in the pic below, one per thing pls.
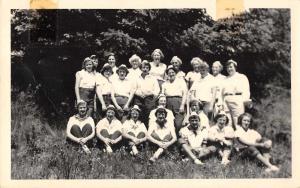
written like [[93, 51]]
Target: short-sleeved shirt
[[104, 83], [112, 127], [204, 88], [133, 74], [193, 76], [87, 79], [167, 129], [194, 138], [134, 127], [147, 86], [216, 132], [170, 116], [158, 71], [175, 88], [250, 135], [122, 87], [237, 83]]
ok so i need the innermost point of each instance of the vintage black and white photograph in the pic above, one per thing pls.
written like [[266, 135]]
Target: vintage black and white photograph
[[150, 94]]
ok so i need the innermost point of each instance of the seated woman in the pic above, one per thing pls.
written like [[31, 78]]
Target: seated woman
[[104, 87], [81, 127], [194, 75], [122, 92], [221, 136], [134, 130], [193, 140], [175, 89], [109, 129], [176, 62], [162, 101], [252, 144], [85, 84], [196, 106], [134, 72], [161, 133]]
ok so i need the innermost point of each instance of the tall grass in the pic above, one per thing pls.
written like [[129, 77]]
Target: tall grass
[[39, 150]]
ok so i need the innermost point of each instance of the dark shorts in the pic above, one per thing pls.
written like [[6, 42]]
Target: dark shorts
[[88, 95]]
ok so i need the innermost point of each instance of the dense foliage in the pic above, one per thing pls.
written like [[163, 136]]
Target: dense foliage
[[53, 43]]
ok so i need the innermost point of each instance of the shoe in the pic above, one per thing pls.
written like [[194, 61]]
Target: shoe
[[152, 159], [134, 150], [272, 169], [225, 162], [108, 149], [86, 149], [198, 162]]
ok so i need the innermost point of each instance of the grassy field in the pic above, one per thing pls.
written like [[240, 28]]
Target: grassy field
[[39, 150]]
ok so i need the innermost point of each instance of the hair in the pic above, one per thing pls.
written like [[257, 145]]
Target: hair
[[145, 63], [230, 61], [191, 117], [135, 57], [85, 61], [106, 68], [158, 51], [240, 118], [129, 114], [124, 68], [219, 64], [204, 64], [161, 110], [196, 60], [219, 116], [176, 58], [199, 103], [170, 67]]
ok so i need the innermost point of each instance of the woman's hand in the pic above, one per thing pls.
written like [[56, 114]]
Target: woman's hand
[[104, 107], [126, 107], [181, 109]]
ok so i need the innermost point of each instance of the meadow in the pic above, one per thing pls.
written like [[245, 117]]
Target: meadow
[[39, 149]]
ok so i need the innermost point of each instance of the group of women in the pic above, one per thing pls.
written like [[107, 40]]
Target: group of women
[[150, 101]]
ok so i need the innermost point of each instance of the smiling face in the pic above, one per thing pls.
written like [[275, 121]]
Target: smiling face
[[161, 116], [122, 74], [134, 114], [135, 64], [176, 65], [194, 122], [107, 73], [156, 57], [203, 71], [112, 61], [230, 69], [215, 69], [162, 101], [246, 122], [195, 107], [171, 74], [110, 114], [82, 109], [95, 63], [89, 66], [145, 69], [221, 122], [196, 67]]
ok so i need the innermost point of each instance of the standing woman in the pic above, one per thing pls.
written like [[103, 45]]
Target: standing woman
[[195, 74], [157, 67], [104, 87], [175, 89], [122, 92], [236, 91], [219, 78], [85, 85], [135, 71], [176, 62], [111, 59]]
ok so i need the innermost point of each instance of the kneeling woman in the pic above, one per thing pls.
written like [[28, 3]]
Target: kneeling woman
[[109, 129], [161, 132], [134, 130], [81, 127], [221, 136]]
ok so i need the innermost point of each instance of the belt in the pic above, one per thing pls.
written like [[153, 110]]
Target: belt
[[238, 93], [174, 96]]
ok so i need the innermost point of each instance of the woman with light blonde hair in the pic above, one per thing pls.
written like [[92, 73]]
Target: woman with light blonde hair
[[157, 67], [194, 75]]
